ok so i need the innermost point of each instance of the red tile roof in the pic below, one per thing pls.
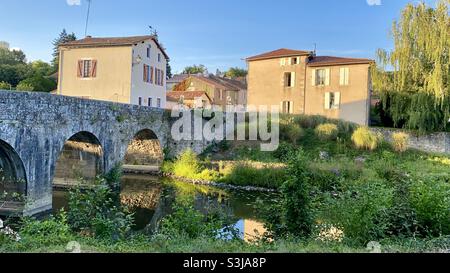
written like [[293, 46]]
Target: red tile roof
[[188, 95], [279, 53], [113, 41], [330, 60]]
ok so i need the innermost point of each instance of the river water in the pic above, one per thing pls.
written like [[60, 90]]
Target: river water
[[151, 199]]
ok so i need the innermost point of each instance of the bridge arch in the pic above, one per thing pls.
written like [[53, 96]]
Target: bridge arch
[[81, 157], [144, 152], [13, 180]]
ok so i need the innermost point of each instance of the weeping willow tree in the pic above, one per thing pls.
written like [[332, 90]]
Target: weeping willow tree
[[415, 92]]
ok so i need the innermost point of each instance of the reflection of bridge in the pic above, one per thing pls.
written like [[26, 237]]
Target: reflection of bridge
[[46, 138]]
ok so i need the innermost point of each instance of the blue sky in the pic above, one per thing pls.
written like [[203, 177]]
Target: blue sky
[[218, 34]]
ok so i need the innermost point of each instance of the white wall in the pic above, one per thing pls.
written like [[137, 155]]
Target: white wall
[[139, 88]]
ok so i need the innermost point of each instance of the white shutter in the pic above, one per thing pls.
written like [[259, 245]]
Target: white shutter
[[292, 79], [347, 75], [283, 78], [327, 100], [281, 108], [298, 60], [313, 78], [342, 76], [291, 107], [327, 76], [289, 61], [281, 62], [337, 100]]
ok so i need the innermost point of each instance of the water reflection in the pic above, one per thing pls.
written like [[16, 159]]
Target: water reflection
[[151, 199]]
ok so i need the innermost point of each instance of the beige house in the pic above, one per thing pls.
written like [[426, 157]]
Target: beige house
[[191, 99], [302, 83], [222, 91], [119, 69]]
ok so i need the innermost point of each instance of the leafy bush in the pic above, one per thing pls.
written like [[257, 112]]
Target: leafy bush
[[431, 200], [284, 151], [327, 131], [361, 211], [187, 165], [4, 86], [400, 142], [363, 138], [52, 231], [244, 174], [22, 86], [291, 132], [97, 211], [292, 216]]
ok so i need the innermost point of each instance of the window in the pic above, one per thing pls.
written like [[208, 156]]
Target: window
[[320, 76], [148, 51], [332, 100], [140, 101], [150, 102], [87, 68], [158, 103], [146, 73], [289, 79], [295, 61], [344, 75], [287, 107], [159, 57]]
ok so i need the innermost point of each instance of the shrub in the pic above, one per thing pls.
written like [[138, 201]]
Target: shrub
[[37, 83], [188, 165], [363, 138], [400, 142], [244, 174], [327, 131], [431, 200], [4, 86], [284, 151], [49, 232], [22, 86], [291, 132], [361, 212]]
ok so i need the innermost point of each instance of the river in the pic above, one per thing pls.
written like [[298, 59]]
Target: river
[[151, 199]]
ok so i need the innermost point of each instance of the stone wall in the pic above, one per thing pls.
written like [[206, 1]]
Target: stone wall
[[432, 143]]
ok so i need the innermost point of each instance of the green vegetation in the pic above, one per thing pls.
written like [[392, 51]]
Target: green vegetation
[[400, 142], [327, 131], [363, 138], [416, 94], [195, 69]]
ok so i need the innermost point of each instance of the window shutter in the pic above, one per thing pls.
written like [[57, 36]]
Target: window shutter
[[327, 76], [327, 100], [291, 107], [342, 76], [293, 79], [145, 73], [289, 61], [283, 79], [347, 75], [80, 69], [337, 97], [298, 60], [94, 69], [313, 77]]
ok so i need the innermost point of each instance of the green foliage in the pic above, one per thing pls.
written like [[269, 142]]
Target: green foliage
[[187, 165], [284, 151], [361, 211], [97, 211], [400, 142], [62, 38], [195, 69], [431, 200], [244, 174], [4, 86], [37, 83], [363, 138], [52, 231], [327, 131], [236, 72], [291, 132]]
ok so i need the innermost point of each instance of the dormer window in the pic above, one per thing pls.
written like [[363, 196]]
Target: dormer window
[[159, 57], [149, 48]]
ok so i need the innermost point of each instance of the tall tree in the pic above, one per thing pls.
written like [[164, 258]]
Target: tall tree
[[416, 93], [63, 37], [195, 69], [168, 70], [236, 72]]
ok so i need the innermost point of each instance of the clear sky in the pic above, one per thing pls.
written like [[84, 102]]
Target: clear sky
[[218, 34]]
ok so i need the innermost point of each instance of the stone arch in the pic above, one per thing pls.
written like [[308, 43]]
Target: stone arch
[[144, 152], [81, 158], [12, 171]]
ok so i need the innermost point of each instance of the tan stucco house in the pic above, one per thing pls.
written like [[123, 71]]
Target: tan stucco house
[[222, 91], [190, 99], [119, 69], [302, 83]]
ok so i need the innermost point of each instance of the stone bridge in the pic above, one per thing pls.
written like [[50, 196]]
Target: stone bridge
[[37, 130]]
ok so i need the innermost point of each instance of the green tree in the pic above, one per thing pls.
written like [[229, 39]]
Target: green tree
[[13, 74], [37, 83], [12, 57], [63, 37], [41, 68], [195, 69], [168, 70], [236, 72], [416, 93], [4, 86]]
